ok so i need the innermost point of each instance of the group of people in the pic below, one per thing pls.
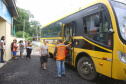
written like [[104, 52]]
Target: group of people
[[60, 54], [28, 46], [14, 48]]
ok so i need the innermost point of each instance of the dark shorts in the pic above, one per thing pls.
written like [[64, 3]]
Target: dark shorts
[[45, 58]]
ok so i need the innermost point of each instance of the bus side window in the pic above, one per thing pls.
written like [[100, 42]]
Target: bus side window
[[96, 28], [90, 30], [50, 31], [57, 29], [45, 32], [106, 37]]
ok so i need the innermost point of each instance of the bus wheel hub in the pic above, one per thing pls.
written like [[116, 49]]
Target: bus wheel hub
[[86, 68]]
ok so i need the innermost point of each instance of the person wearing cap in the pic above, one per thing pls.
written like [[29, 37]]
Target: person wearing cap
[[59, 54]]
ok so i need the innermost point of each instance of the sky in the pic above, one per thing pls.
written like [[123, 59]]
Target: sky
[[46, 11]]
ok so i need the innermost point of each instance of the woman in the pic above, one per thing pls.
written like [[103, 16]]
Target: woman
[[15, 49], [44, 54], [2, 48], [21, 48], [29, 49]]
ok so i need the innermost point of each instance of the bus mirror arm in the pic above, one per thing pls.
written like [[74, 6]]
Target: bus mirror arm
[[110, 30]]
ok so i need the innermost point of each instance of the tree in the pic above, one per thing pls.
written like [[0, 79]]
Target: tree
[[31, 27], [19, 34], [35, 27], [23, 15]]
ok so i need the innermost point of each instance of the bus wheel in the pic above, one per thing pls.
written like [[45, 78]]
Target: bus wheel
[[86, 69]]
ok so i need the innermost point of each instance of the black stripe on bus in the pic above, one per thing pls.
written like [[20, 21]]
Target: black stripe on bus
[[81, 43]]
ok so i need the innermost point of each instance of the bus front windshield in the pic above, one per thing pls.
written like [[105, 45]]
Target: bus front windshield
[[120, 10]]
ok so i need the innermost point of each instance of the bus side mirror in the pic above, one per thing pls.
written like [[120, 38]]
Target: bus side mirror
[[97, 21]]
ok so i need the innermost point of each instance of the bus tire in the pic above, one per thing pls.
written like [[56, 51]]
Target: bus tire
[[86, 69]]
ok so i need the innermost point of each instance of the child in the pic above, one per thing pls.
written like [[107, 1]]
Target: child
[[15, 49]]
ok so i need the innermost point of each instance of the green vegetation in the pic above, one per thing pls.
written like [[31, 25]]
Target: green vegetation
[[29, 38], [31, 27], [20, 34]]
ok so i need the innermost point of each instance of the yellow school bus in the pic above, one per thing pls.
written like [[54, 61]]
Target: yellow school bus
[[98, 35]]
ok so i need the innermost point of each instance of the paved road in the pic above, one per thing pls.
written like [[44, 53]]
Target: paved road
[[22, 71]]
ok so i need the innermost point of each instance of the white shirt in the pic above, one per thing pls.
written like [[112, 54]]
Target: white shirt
[[3, 44]]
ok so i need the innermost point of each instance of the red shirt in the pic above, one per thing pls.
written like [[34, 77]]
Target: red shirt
[[66, 51], [15, 47]]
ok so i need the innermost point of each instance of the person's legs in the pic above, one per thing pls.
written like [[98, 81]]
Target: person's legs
[[22, 55], [45, 60], [44, 65], [58, 67], [26, 52], [14, 53], [41, 61], [2, 54], [30, 53], [63, 66]]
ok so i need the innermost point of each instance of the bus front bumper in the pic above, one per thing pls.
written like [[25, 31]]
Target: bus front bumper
[[118, 70]]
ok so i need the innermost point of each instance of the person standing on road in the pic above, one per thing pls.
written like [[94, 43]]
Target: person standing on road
[[15, 49], [60, 57], [21, 48], [12, 45], [29, 49], [44, 54], [68, 56], [2, 48], [26, 44]]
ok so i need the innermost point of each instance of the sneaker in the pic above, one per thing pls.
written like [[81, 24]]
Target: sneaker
[[44, 68]]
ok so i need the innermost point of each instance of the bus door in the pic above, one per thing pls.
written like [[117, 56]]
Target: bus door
[[69, 30]]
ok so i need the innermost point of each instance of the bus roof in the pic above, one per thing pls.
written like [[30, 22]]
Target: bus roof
[[77, 10]]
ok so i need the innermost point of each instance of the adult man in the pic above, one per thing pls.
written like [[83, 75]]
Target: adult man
[[60, 57]]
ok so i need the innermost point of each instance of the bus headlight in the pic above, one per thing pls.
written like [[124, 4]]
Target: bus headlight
[[122, 56]]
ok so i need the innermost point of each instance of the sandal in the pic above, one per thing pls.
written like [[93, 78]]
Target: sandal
[[44, 68]]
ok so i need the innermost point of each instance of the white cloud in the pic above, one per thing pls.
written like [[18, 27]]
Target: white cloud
[[46, 11]]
